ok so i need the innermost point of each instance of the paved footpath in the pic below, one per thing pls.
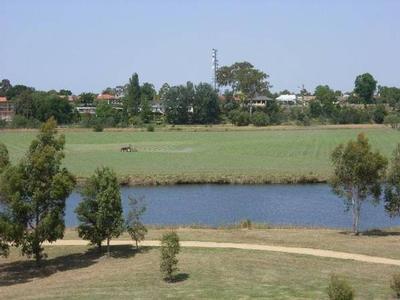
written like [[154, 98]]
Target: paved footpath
[[294, 250]]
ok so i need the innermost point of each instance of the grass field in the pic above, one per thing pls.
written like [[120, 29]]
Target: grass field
[[73, 273], [199, 155], [384, 243]]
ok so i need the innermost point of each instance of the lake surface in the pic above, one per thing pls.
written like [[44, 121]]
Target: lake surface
[[301, 205]]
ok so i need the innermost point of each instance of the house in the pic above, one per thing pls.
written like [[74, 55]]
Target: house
[[109, 99], [287, 99], [87, 110], [7, 109], [259, 101], [157, 107]]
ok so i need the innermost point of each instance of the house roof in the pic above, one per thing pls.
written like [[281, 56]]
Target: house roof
[[105, 97], [285, 98], [3, 99], [261, 98]]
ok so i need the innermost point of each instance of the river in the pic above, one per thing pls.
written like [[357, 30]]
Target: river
[[311, 205]]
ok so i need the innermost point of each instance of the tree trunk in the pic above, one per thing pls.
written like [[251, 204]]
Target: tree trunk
[[353, 206], [137, 246], [358, 209], [99, 247], [108, 246]]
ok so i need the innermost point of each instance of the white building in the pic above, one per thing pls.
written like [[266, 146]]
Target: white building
[[287, 99]]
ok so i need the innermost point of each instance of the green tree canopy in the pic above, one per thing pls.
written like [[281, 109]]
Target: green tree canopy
[[392, 190], [34, 192], [100, 211], [205, 104], [243, 77], [178, 103], [132, 98], [364, 87], [134, 225], [169, 249], [358, 174]]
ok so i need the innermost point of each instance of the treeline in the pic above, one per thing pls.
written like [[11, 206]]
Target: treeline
[[136, 104]]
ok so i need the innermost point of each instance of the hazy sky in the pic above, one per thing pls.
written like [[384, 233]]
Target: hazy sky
[[89, 45]]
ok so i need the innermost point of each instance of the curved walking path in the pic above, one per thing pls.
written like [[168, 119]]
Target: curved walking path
[[244, 246]]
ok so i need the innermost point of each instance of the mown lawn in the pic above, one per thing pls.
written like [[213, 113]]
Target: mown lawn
[[207, 156], [383, 243], [72, 273]]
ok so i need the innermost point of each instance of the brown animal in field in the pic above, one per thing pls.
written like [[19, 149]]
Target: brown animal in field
[[128, 149]]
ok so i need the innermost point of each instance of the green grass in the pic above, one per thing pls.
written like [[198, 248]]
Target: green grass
[[252, 156], [71, 273], [383, 243]]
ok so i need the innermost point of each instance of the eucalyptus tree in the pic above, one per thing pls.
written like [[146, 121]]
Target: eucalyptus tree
[[357, 176], [33, 193], [100, 211]]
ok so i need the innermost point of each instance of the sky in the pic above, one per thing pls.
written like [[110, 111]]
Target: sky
[[90, 45]]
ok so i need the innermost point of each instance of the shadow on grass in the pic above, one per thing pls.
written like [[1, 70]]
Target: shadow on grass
[[373, 232], [180, 277], [17, 272]]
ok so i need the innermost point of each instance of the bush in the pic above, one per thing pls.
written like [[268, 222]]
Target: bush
[[260, 119], [379, 114], [169, 249], [19, 121], [246, 224], [150, 128], [240, 118], [395, 284], [339, 289], [136, 121], [98, 127], [393, 120]]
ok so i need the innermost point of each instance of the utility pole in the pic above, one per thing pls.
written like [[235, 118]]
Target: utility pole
[[215, 67]]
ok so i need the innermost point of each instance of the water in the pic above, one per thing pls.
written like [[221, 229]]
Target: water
[[301, 205]]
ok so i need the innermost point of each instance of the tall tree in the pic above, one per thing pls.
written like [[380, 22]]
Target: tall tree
[[392, 188], [358, 174], [100, 211], [63, 92], [178, 103], [244, 78], [364, 87], [163, 92], [205, 104], [327, 97], [87, 99], [147, 94], [132, 97], [390, 95], [34, 192], [5, 86], [134, 225]]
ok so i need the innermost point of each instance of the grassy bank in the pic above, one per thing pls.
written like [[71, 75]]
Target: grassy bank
[[215, 154], [383, 243], [73, 272]]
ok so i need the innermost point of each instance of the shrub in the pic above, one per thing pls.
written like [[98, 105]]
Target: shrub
[[98, 127], [379, 114], [136, 121], [19, 121], [393, 120], [240, 118], [260, 119], [395, 284], [246, 224], [169, 249], [339, 289], [150, 128]]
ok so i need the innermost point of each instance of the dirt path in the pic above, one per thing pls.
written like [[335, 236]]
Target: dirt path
[[294, 250]]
